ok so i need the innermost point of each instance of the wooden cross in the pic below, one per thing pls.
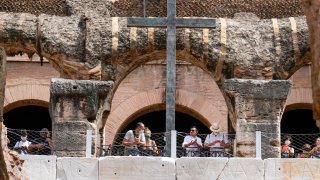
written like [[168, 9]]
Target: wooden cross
[[171, 23]]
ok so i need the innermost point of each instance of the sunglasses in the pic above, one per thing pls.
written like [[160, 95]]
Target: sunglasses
[[192, 130]]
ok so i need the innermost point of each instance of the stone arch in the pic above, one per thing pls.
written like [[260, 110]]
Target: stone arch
[[21, 95], [192, 104], [299, 98]]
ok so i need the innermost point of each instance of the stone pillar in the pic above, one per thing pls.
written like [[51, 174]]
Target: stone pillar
[[3, 169], [257, 105], [73, 110]]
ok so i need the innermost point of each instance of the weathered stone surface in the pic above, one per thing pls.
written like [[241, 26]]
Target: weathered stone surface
[[209, 8], [77, 169], [311, 8], [137, 168], [219, 168], [292, 169], [53, 7], [74, 108], [62, 38], [256, 105], [40, 167], [77, 100], [200, 168], [18, 28]]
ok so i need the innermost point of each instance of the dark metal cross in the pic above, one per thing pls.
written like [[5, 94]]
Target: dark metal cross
[[171, 23]]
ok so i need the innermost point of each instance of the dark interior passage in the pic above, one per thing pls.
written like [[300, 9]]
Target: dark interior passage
[[28, 117], [298, 121], [156, 121], [300, 126]]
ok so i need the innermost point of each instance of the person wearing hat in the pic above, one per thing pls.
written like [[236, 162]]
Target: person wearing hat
[[41, 145], [22, 146], [216, 141], [192, 143]]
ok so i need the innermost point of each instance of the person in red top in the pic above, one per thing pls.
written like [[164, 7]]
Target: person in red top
[[286, 150]]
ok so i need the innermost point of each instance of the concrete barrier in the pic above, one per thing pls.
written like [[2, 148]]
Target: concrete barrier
[[155, 168], [292, 169], [39, 167], [219, 168], [77, 168]]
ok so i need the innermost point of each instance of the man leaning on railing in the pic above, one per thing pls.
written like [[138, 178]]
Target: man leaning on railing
[[133, 140], [216, 141], [192, 143]]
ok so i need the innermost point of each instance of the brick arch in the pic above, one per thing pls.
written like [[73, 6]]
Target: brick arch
[[189, 103], [22, 95], [299, 98]]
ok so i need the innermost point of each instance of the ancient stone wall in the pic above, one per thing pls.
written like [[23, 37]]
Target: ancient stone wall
[[53, 7], [312, 8], [127, 8]]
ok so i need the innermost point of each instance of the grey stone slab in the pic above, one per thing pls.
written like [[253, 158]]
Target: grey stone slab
[[77, 168], [293, 169], [39, 167], [200, 168], [137, 168]]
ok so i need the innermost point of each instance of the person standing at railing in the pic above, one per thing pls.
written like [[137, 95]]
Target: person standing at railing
[[43, 144], [315, 152], [22, 146], [286, 150], [150, 148], [133, 140], [217, 141], [305, 151], [192, 143]]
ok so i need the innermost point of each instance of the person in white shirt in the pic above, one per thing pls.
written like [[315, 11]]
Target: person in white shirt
[[133, 140], [216, 141], [22, 146], [192, 143]]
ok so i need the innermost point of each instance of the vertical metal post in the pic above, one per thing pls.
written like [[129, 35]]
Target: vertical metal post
[[173, 143], [88, 143], [144, 8], [171, 71], [258, 144]]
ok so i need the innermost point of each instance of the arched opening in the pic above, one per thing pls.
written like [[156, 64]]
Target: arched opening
[[156, 121], [298, 121], [30, 117], [300, 126]]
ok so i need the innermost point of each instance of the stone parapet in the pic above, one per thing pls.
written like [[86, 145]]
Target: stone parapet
[[50, 167], [73, 109], [256, 105]]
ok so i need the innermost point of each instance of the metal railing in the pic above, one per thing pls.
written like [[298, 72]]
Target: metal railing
[[302, 144]]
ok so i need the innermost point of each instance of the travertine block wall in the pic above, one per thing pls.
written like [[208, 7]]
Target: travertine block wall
[[50, 167]]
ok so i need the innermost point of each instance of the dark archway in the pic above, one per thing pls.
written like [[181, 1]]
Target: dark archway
[[300, 126], [28, 117], [31, 118], [156, 122], [298, 121]]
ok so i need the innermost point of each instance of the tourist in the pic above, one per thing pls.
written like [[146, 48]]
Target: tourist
[[22, 146], [286, 150], [305, 151], [216, 141], [133, 140], [192, 143], [43, 144], [150, 148], [315, 152]]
